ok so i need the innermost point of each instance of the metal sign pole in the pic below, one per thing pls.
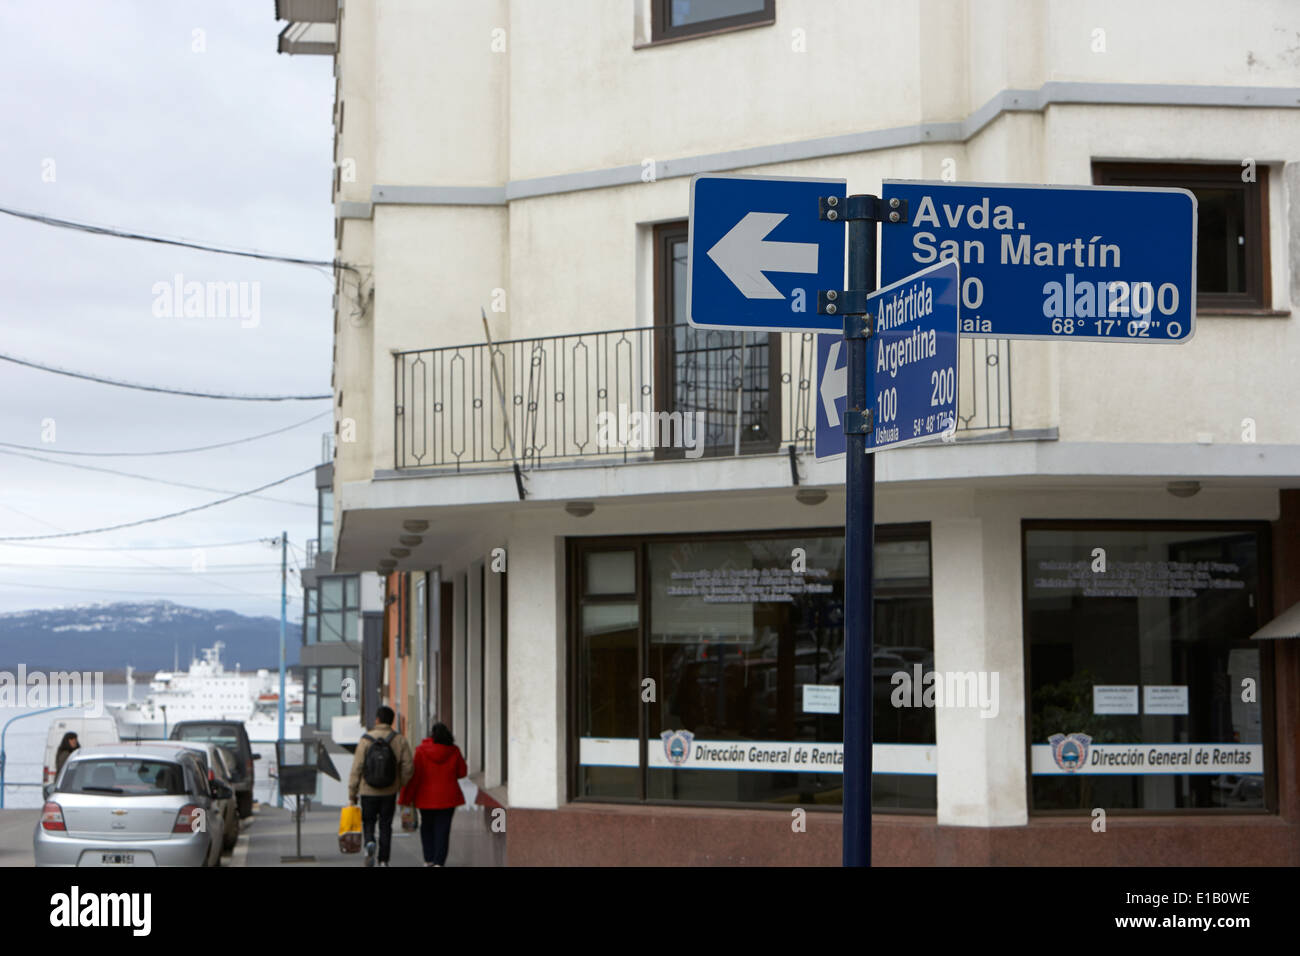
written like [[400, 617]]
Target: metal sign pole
[[859, 538], [862, 213]]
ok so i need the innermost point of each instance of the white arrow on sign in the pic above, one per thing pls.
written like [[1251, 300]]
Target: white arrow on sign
[[835, 384], [743, 255]]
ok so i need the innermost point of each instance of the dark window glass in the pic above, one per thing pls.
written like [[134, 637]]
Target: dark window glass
[[1136, 672], [609, 675], [339, 614], [124, 777], [325, 525], [310, 618], [713, 378], [747, 656], [678, 18], [1232, 268]]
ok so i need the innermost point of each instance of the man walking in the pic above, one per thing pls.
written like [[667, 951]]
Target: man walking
[[381, 766]]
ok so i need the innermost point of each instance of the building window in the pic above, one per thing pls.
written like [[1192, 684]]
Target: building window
[[333, 610], [310, 616], [746, 656], [673, 19], [716, 378], [325, 520], [1232, 251], [328, 696], [1138, 673]]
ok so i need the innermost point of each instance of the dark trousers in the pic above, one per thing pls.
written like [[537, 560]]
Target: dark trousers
[[435, 834], [381, 809]]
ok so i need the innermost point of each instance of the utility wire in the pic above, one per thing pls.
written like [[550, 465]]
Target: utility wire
[[45, 450], [141, 237], [139, 547], [119, 569], [157, 388], [160, 481], [153, 590], [174, 514], [139, 560]]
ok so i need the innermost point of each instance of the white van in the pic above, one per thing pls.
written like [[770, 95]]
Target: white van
[[89, 731]]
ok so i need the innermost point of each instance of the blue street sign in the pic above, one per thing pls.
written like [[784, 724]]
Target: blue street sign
[[758, 253], [912, 357], [912, 365], [832, 384], [1086, 263]]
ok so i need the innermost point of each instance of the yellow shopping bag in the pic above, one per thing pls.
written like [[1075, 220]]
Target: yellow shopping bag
[[350, 830]]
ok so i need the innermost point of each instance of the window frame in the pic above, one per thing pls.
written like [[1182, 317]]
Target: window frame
[[662, 30], [1258, 297], [576, 548], [665, 351], [1267, 675]]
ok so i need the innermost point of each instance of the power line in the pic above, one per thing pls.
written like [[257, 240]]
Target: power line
[[156, 388], [172, 451], [160, 481], [110, 569], [185, 244], [139, 560], [153, 590], [174, 514], [140, 547]]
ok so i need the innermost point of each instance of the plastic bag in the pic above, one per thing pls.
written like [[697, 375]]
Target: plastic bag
[[409, 822], [350, 830]]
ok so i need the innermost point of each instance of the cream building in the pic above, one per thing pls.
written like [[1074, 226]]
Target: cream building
[[521, 170]]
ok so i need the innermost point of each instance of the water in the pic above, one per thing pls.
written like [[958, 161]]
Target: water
[[24, 746]]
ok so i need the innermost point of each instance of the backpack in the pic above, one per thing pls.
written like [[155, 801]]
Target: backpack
[[380, 767]]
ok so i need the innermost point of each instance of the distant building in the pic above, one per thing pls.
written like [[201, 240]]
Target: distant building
[[641, 651], [332, 641]]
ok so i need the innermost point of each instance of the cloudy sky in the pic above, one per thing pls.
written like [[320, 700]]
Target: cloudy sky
[[180, 120]]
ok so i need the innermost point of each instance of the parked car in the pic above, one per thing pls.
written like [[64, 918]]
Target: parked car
[[89, 731], [130, 805], [231, 735], [215, 762]]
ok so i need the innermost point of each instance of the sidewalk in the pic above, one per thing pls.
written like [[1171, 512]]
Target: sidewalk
[[269, 834]]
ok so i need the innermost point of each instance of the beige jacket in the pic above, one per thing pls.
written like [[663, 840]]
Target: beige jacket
[[405, 764]]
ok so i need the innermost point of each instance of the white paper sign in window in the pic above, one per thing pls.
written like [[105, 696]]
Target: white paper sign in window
[[1164, 699], [821, 698], [1114, 698]]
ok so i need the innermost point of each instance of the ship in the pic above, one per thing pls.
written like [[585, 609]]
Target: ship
[[207, 691]]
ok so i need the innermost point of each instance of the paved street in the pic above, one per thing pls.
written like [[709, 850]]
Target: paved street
[[269, 835]]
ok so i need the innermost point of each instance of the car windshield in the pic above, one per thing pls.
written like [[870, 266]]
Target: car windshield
[[123, 775]]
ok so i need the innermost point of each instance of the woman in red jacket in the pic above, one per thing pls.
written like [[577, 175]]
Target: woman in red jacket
[[434, 791]]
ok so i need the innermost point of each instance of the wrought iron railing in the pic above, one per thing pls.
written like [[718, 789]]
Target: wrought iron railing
[[636, 394]]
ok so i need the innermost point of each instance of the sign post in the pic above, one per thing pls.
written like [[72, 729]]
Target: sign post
[[861, 213]]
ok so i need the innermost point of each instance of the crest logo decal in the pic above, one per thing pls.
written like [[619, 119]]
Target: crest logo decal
[[1070, 751], [677, 745]]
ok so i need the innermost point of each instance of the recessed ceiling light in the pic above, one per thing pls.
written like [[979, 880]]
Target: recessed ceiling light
[[410, 540], [810, 496], [416, 525], [400, 552], [580, 509]]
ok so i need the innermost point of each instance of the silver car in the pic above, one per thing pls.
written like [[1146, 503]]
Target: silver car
[[216, 763], [126, 805]]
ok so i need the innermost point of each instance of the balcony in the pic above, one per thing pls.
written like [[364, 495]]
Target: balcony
[[643, 394]]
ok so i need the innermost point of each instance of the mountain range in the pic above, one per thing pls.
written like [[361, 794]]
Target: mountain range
[[148, 636]]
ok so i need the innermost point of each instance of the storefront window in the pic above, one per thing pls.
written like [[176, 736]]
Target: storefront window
[[741, 692], [1145, 688]]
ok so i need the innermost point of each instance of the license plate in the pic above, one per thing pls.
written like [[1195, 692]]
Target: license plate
[[117, 859]]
